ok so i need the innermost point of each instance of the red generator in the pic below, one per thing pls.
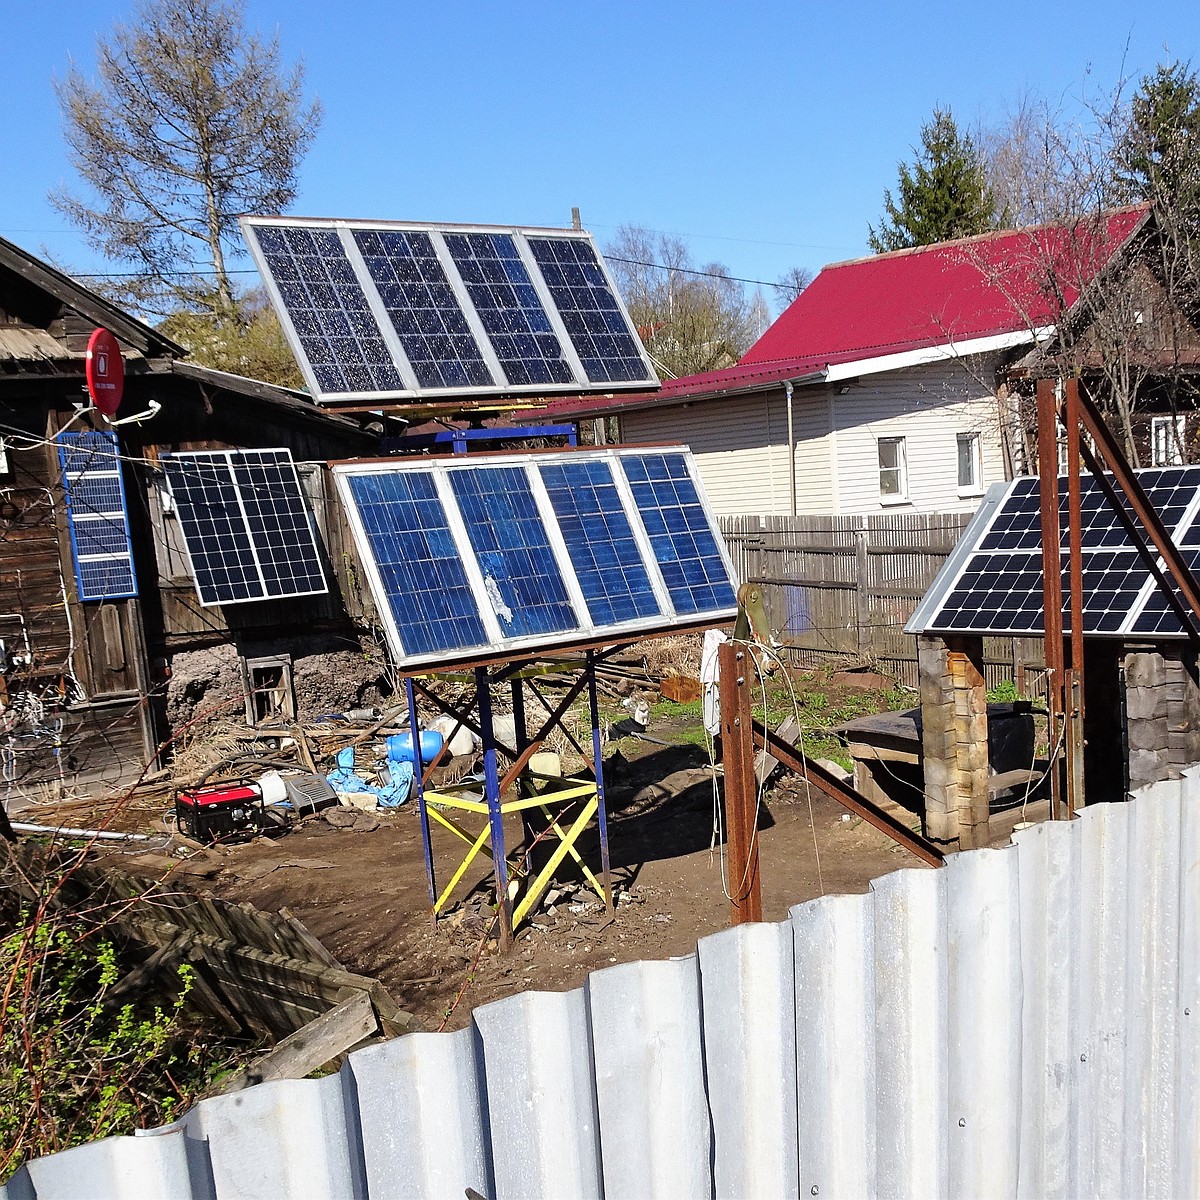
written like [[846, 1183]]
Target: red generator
[[224, 812]]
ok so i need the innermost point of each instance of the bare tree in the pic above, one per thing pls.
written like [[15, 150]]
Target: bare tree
[[791, 284], [192, 120], [691, 319]]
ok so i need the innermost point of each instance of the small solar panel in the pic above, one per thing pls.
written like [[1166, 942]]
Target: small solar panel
[[992, 583], [382, 310], [246, 525], [525, 551], [97, 518]]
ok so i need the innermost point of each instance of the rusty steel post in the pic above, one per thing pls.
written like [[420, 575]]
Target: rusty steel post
[[1073, 679], [1051, 579], [741, 811]]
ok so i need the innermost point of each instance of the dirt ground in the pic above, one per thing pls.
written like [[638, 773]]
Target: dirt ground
[[363, 891]]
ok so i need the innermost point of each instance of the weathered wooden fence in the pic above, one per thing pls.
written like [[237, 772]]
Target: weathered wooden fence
[[843, 587]]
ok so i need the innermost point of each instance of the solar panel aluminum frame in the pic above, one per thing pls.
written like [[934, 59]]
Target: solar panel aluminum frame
[[499, 645], [228, 456], [345, 230]]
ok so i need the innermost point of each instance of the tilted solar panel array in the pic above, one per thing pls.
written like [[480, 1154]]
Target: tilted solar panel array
[[378, 310], [467, 559], [246, 525], [96, 515], [992, 583]]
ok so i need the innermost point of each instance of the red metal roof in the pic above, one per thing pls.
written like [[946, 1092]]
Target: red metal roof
[[908, 300]]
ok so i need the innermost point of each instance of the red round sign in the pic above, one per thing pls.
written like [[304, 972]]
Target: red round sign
[[105, 372]]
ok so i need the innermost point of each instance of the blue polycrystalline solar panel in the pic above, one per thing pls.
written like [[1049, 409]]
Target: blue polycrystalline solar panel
[[520, 575], [245, 524], [600, 541], [589, 309], [509, 307], [96, 515], [423, 581], [375, 309], [684, 541], [423, 308], [534, 551], [328, 309], [995, 584]]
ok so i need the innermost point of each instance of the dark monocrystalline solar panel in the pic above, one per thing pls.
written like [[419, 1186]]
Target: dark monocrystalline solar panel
[[995, 585], [534, 551], [96, 515], [680, 532], [600, 541], [328, 310], [423, 308], [593, 318], [376, 309], [423, 581], [509, 307], [245, 524], [520, 574]]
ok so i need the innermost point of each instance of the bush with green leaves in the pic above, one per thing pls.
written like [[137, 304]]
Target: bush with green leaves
[[73, 1065]]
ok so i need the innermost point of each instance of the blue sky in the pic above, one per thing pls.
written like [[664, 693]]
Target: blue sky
[[764, 134]]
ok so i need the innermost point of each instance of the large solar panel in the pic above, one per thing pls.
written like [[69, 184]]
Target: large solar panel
[[245, 524], [516, 552], [96, 515], [992, 583], [389, 310]]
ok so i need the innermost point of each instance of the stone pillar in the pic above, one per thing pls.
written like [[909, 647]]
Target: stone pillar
[[954, 739], [1162, 713]]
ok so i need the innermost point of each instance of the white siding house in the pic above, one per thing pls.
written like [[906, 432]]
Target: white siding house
[[741, 445]]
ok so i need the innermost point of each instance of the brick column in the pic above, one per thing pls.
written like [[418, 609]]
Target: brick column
[[1162, 713], [954, 739]]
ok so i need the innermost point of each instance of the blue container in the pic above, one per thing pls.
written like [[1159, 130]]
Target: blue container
[[400, 746]]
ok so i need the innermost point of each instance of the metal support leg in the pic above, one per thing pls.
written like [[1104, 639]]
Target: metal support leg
[[491, 778], [521, 737], [602, 810], [414, 726]]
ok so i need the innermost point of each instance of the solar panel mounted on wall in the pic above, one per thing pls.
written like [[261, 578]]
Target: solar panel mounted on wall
[[246, 525], [524, 552], [97, 518]]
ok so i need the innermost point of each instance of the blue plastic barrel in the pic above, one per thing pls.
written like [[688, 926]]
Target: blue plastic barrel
[[400, 746]]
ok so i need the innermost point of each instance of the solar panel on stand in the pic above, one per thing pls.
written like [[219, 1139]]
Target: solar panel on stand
[[245, 524], [385, 310], [467, 559], [97, 518], [992, 583]]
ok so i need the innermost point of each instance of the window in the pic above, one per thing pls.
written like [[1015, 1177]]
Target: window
[[893, 472], [1166, 441], [970, 463]]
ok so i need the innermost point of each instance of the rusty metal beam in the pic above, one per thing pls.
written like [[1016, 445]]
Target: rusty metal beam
[[735, 681], [1112, 457], [835, 789], [1073, 691], [1052, 598]]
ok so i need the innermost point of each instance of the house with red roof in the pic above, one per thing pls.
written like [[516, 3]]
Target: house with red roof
[[892, 383]]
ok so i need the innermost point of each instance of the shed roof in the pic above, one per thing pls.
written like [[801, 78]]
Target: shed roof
[[893, 310]]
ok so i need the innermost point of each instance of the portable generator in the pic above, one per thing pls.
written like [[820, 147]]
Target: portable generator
[[223, 812]]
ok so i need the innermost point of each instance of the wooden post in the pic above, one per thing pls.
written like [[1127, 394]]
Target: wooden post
[[741, 810]]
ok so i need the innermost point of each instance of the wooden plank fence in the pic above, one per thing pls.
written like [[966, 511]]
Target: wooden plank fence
[[840, 589]]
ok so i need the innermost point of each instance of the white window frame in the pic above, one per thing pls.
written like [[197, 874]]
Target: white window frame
[[899, 469], [1167, 435], [974, 485]]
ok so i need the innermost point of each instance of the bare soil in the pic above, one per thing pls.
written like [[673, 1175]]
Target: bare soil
[[363, 892]]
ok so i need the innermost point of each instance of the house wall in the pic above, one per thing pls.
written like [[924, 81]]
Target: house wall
[[928, 407], [740, 444]]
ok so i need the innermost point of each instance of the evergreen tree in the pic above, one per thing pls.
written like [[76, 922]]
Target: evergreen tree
[[1158, 153], [943, 195]]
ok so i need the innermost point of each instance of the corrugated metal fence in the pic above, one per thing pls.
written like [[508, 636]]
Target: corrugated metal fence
[[1023, 1021], [838, 587]]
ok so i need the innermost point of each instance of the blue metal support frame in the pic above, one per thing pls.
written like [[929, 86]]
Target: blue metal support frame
[[491, 784], [414, 724], [457, 439], [598, 770]]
